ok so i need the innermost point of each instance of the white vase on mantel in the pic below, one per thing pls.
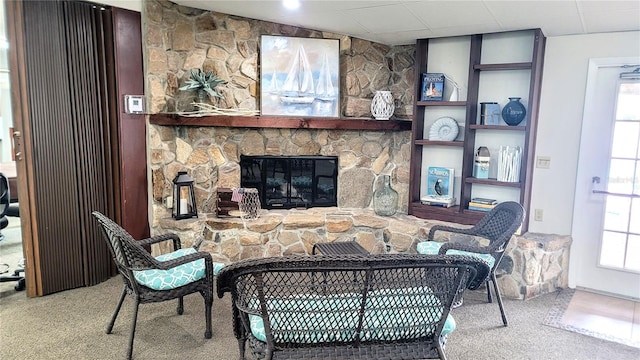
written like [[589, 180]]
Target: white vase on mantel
[[382, 105]]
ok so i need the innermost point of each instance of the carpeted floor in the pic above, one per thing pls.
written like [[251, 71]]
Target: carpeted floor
[[10, 254], [71, 325], [557, 317]]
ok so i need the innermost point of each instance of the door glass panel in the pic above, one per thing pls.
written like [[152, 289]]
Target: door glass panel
[[634, 226], [636, 180], [625, 135], [633, 253], [616, 215], [628, 100], [621, 174], [613, 249]]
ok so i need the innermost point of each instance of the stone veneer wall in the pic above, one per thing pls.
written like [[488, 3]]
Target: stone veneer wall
[[178, 38]]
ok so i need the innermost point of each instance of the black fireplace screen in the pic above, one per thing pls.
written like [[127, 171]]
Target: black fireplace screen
[[292, 181]]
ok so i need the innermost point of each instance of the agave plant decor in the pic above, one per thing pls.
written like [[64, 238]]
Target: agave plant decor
[[204, 82]]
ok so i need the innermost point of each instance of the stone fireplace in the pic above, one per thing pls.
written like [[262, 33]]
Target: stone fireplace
[[212, 157], [534, 263], [178, 39]]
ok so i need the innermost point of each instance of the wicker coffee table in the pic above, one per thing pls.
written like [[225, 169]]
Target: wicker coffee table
[[339, 248]]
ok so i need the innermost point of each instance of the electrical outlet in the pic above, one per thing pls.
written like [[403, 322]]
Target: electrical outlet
[[537, 215], [168, 202]]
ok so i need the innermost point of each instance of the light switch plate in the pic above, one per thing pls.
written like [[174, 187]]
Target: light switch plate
[[134, 104], [543, 162]]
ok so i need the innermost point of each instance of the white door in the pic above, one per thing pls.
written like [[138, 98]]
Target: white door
[[605, 254]]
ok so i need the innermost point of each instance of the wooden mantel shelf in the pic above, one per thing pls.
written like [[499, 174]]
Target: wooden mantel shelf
[[281, 122]]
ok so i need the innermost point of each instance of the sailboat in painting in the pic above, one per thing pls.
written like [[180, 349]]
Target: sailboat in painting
[[274, 88], [298, 86], [324, 87]]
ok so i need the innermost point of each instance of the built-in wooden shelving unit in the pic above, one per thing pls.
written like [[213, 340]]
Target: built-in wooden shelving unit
[[424, 151]]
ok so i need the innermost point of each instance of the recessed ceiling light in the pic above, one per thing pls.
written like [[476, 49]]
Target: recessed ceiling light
[[291, 4]]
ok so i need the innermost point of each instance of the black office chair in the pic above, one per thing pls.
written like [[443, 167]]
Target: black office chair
[[6, 209]]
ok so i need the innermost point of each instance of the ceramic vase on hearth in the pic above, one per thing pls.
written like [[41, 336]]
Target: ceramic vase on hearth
[[385, 199], [382, 105]]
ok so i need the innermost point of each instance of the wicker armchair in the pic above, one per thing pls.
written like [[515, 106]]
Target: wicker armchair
[[498, 226], [138, 267], [389, 306]]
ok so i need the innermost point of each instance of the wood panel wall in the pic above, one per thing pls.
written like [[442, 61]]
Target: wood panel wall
[[132, 128]]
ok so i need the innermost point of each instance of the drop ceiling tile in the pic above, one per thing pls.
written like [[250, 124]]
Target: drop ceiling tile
[[403, 37], [560, 28], [554, 26], [442, 14], [505, 10], [329, 20], [462, 29], [600, 7], [337, 5], [383, 19], [611, 21], [513, 15]]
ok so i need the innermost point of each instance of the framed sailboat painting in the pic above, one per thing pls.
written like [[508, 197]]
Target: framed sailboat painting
[[299, 76]]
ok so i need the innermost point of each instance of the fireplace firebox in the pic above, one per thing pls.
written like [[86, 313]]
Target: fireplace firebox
[[286, 182]]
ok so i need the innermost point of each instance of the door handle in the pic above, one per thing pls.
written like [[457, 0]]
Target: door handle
[[15, 143], [633, 196], [596, 180]]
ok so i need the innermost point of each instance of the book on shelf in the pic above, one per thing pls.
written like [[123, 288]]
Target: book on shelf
[[432, 87], [437, 204], [436, 200], [440, 182], [486, 201], [481, 205], [475, 208]]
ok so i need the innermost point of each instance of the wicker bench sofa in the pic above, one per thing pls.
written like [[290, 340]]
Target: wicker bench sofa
[[389, 306]]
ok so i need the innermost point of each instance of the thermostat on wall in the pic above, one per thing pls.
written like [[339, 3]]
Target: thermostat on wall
[[134, 104]]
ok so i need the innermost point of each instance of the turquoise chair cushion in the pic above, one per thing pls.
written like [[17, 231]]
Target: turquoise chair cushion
[[175, 277], [307, 317], [433, 247]]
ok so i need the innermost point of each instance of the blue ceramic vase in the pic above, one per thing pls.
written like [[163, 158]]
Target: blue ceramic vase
[[514, 112]]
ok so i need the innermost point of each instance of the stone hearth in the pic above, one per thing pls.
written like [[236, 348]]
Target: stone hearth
[[534, 264]]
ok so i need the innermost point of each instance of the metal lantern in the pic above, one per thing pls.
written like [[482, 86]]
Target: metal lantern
[[184, 200]]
